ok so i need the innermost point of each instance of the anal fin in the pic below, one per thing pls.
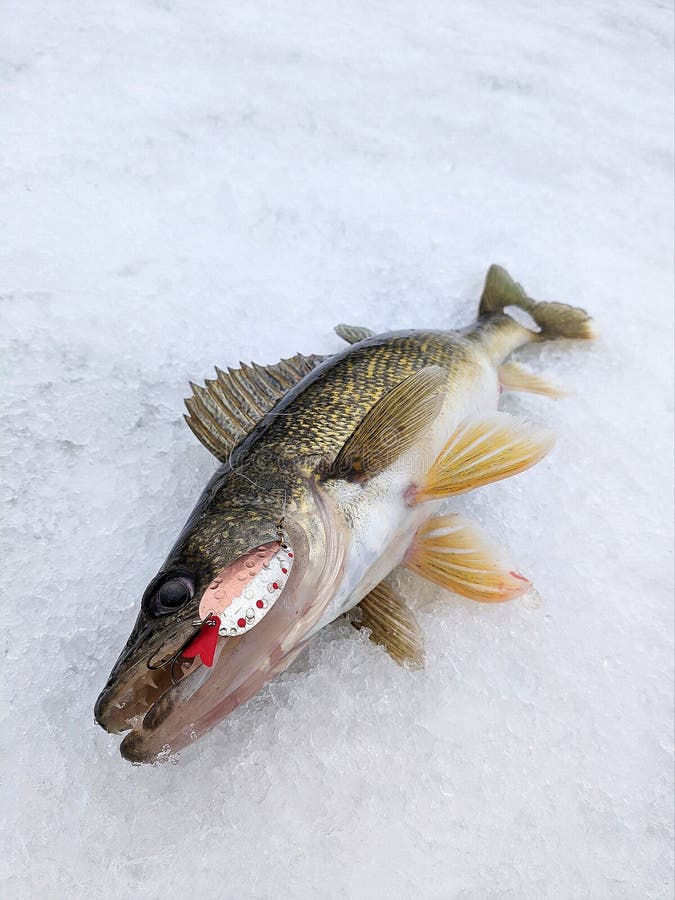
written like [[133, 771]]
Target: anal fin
[[392, 624], [483, 449], [453, 553], [514, 377]]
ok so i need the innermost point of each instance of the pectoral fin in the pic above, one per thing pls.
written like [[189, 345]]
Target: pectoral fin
[[515, 377], [482, 450], [391, 426], [392, 624], [452, 552]]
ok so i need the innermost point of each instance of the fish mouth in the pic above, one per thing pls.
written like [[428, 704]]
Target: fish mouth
[[134, 688], [189, 707], [165, 707]]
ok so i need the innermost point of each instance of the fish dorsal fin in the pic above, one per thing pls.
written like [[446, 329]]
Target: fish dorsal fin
[[230, 405], [391, 426], [392, 624], [353, 333]]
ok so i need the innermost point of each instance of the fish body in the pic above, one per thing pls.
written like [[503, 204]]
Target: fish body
[[381, 523], [343, 466]]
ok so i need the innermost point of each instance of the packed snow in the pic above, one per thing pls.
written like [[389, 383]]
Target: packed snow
[[186, 184]]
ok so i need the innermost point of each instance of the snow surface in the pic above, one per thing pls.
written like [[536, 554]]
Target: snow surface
[[185, 184]]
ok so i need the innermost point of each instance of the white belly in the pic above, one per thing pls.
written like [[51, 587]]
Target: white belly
[[381, 523]]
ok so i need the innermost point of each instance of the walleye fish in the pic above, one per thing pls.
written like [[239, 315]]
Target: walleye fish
[[332, 473]]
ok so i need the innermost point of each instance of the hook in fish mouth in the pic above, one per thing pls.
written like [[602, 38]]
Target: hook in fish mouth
[[134, 688], [143, 695], [265, 603], [246, 630]]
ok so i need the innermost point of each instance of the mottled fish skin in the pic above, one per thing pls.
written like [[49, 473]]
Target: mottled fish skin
[[309, 425], [266, 471], [322, 411], [346, 536]]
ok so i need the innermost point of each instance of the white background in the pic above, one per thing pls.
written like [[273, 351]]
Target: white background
[[192, 183]]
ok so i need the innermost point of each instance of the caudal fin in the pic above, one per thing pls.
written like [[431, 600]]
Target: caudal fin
[[555, 320]]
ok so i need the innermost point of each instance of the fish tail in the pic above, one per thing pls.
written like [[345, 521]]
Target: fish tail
[[554, 320]]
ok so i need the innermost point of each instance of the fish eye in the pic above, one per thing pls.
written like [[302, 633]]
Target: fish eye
[[171, 595]]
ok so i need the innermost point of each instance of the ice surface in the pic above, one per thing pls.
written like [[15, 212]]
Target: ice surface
[[185, 184]]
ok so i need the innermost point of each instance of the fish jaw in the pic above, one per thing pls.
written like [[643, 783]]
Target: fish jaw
[[140, 676], [243, 664]]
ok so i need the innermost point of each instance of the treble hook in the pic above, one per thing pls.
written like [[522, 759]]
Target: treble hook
[[171, 661], [281, 537]]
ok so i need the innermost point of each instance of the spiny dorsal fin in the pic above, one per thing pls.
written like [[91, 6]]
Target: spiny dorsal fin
[[454, 553], [391, 426], [353, 333], [484, 449], [228, 407], [392, 624]]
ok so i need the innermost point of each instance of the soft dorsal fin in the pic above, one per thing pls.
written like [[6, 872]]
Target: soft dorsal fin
[[392, 624], [353, 333], [391, 426], [227, 408]]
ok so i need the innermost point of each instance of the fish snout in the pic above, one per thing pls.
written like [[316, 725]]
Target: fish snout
[[129, 694], [108, 714]]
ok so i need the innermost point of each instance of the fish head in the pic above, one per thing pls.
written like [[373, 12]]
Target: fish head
[[259, 582]]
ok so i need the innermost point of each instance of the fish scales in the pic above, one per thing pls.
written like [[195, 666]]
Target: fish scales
[[340, 478]]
